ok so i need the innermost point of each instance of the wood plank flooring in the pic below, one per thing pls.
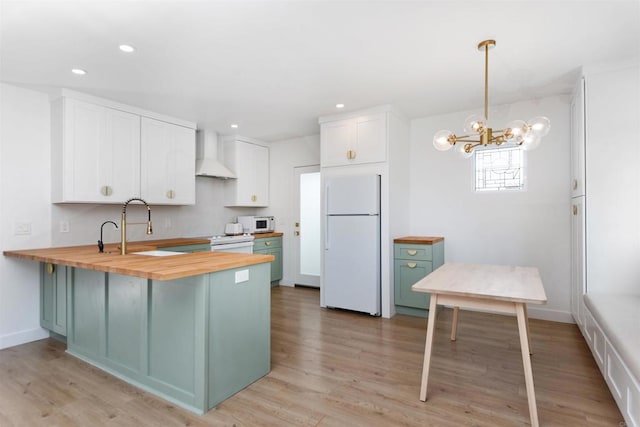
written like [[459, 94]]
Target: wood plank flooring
[[336, 368]]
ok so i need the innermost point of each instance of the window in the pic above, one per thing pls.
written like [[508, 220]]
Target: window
[[499, 169]]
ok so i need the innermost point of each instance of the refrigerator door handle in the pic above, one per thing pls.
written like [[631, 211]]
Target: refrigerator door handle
[[326, 234]]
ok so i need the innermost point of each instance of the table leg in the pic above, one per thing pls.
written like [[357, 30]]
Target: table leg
[[454, 323], [431, 327], [526, 361], [526, 316]]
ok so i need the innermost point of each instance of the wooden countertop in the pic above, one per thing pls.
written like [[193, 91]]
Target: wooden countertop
[[419, 240], [265, 235], [148, 267]]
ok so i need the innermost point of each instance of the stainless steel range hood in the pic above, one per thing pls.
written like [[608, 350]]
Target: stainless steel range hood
[[207, 163]]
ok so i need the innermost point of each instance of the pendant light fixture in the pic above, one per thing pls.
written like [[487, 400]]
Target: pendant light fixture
[[517, 132]]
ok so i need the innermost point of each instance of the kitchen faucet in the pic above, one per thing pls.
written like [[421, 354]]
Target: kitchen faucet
[[100, 244], [123, 224]]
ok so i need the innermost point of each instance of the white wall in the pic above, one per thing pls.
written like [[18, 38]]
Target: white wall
[[25, 196], [284, 157], [530, 228]]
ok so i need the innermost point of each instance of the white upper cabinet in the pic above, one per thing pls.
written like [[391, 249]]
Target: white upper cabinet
[[95, 153], [106, 152], [249, 160], [577, 141], [354, 140], [167, 167]]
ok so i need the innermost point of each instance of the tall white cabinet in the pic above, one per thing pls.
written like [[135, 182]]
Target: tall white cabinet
[[605, 207], [578, 283], [371, 141], [106, 152]]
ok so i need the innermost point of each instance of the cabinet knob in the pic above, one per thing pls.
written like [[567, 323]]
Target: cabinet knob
[[171, 194], [575, 210], [412, 252], [50, 268], [411, 264], [267, 243], [575, 184], [254, 198], [106, 190], [297, 233]]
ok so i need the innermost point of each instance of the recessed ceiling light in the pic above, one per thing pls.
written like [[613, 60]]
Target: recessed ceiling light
[[235, 126], [339, 105], [78, 71], [127, 48]]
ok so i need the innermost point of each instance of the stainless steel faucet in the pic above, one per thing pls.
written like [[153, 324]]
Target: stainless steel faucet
[[123, 224]]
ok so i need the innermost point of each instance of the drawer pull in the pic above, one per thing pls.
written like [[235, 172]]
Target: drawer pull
[[575, 210], [575, 184], [50, 268], [171, 194], [267, 243], [412, 252], [411, 264]]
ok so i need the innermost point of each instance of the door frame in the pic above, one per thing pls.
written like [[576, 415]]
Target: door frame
[[298, 278]]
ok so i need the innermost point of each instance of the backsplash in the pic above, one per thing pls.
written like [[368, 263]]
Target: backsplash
[[206, 218]]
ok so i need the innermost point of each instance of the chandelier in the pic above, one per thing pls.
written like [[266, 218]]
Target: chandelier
[[517, 133]]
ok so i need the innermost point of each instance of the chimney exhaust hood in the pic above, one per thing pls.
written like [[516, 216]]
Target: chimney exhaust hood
[[207, 163]]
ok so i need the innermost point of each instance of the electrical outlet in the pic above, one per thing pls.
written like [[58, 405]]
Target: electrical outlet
[[22, 228], [242, 276], [64, 226]]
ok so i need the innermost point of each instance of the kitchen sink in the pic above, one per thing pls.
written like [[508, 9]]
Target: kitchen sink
[[158, 253]]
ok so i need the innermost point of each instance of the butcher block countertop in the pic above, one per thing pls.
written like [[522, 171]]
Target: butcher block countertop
[[145, 266], [265, 235], [419, 240]]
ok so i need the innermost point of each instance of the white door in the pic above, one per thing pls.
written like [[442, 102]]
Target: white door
[[307, 226]]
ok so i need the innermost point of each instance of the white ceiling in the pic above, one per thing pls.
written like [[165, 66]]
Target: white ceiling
[[273, 67]]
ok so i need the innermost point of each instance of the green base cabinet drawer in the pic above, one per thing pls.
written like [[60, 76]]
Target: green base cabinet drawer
[[412, 251], [271, 246]]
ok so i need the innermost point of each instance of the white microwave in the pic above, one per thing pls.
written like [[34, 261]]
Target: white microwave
[[257, 224]]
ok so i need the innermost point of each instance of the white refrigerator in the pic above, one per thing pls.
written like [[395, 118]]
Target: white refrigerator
[[351, 276]]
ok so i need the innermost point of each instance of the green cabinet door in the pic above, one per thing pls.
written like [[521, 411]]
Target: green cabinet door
[[271, 246], [53, 298], [406, 274]]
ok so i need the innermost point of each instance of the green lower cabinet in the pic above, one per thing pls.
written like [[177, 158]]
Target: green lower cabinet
[[271, 246], [53, 298], [412, 262], [193, 341], [198, 247]]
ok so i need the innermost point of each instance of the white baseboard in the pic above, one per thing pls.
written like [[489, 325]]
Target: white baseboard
[[284, 282], [552, 315], [22, 337]]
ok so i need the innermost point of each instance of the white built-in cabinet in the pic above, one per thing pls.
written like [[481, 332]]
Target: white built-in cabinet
[[605, 232], [168, 167], [249, 160], [354, 140], [106, 152], [578, 284]]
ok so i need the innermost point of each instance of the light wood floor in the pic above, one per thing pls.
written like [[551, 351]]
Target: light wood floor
[[335, 368]]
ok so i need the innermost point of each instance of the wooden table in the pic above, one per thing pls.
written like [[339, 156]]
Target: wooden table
[[499, 288]]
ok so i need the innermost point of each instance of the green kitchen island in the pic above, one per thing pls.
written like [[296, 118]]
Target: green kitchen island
[[191, 328]]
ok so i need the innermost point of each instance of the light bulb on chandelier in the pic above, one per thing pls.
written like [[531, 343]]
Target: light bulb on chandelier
[[517, 133]]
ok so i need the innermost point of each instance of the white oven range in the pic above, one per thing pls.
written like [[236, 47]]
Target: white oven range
[[239, 244]]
